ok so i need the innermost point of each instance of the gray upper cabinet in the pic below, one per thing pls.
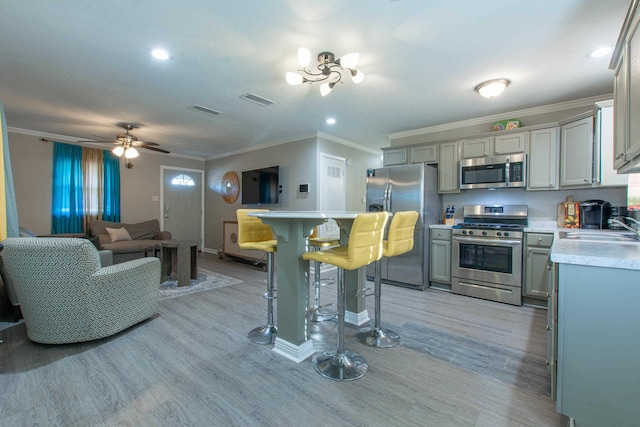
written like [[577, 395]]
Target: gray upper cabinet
[[543, 159], [510, 143], [576, 153], [478, 147], [397, 156], [505, 143], [627, 94], [424, 154], [448, 168]]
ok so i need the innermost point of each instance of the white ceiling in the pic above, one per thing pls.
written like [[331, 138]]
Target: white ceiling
[[78, 68]]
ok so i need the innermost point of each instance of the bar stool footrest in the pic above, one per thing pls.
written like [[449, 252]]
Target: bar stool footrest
[[320, 314], [346, 367]]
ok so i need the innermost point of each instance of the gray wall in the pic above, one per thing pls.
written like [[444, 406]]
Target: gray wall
[[32, 162], [298, 163]]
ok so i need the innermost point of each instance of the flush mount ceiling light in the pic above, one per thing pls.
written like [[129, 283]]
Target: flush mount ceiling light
[[492, 88], [600, 52], [329, 72], [160, 54]]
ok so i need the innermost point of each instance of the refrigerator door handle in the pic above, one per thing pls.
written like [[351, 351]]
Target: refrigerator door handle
[[388, 198]]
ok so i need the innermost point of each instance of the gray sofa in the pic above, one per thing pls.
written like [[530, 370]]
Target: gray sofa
[[143, 235]]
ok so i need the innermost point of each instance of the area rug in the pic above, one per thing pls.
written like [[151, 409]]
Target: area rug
[[206, 280]]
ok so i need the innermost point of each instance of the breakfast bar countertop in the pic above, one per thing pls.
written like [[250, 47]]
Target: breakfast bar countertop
[[596, 253]]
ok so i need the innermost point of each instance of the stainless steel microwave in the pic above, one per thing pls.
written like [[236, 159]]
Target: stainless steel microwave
[[494, 172]]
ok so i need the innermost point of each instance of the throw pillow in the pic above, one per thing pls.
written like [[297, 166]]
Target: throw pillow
[[118, 234]]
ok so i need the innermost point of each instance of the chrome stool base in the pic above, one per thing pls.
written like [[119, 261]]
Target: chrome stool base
[[346, 367], [381, 338], [264, 334]]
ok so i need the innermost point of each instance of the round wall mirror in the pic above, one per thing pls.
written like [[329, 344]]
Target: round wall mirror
[[230, 187]]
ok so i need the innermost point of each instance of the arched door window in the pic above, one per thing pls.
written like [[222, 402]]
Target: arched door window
[[183, 180]]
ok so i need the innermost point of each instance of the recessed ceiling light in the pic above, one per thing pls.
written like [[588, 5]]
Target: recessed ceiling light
[[600, 52], [331, 121], [160, 54]]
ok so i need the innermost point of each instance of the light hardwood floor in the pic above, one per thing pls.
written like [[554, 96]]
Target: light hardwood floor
[[461, 362]]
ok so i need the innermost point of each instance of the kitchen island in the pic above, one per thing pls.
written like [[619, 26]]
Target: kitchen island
[[598, 342]]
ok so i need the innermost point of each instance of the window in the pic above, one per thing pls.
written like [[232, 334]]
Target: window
[[183, 180], [86, 186]]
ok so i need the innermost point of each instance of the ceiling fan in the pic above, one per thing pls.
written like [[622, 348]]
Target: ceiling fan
[[126, 143]]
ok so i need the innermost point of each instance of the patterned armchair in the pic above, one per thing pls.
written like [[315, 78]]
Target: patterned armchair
[[66, 296]]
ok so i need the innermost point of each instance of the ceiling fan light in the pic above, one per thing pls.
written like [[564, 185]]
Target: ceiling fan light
[[304, 57], [350, 60], [357, 76], [492, 88], [294, 79], [131, 153], [326, 88], [118, 151]]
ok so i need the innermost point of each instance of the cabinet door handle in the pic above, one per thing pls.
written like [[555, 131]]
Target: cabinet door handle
[[548, 328]]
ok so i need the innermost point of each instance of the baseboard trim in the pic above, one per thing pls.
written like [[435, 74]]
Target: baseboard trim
[[357, 319], [297, 353]]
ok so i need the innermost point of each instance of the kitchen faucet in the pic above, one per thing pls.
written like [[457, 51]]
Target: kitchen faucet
[[636, 231]]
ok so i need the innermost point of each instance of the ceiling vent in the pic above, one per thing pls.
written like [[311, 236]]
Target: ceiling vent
[[205, 110], [257, 99]]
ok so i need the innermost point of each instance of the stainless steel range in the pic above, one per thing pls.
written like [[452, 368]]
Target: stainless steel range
[[486, 259]]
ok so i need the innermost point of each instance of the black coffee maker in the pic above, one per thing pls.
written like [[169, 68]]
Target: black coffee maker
[[594, 214]]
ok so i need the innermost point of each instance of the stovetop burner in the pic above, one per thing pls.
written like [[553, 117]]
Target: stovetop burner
[[493, 221], [490, 226]]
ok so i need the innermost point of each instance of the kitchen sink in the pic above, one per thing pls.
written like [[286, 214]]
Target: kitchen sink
[[600, 236]]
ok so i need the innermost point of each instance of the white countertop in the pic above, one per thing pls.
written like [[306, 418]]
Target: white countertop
[[597, 254]]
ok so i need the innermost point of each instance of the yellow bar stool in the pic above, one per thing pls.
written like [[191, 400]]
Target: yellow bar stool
[[319, 313], [399, 241], [363, 248], [254, 234]]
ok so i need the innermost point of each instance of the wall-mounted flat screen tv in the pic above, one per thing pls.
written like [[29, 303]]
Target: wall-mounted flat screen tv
[[261, 186]]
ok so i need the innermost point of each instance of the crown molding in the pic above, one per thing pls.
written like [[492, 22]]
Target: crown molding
[[296, 138], [552, 108]]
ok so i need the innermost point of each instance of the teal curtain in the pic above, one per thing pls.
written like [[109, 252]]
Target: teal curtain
[[66, 204], [111, 202]]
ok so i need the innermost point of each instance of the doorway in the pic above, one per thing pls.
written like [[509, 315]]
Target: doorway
[[181, 203]]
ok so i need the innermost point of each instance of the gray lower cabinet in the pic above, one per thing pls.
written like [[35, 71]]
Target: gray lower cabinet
[[598, 345], [440, 256], [537, 247]]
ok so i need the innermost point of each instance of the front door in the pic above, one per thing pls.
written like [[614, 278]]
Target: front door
[[182, 201]]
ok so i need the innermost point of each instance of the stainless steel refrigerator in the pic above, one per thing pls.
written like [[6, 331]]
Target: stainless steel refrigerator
[[406, 188]]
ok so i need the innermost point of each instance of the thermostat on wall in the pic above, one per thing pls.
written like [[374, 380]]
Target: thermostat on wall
[[304, 188]]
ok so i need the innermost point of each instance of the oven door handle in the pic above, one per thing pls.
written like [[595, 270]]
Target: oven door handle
[[486, 241]]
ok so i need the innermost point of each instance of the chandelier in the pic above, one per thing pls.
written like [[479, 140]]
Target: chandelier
[[329, 68]]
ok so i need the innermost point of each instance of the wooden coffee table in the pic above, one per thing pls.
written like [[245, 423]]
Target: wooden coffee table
[[179, 258]]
